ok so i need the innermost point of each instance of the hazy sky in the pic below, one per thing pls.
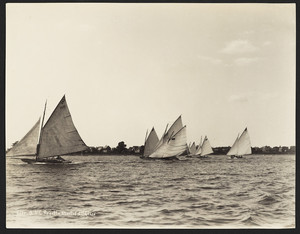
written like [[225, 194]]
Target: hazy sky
[[127, 67]]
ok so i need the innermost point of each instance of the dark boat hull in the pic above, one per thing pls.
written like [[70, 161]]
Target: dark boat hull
[[205, 156], [29, 161], [196, 156], [45, 161], [236, 156], [166, 158]]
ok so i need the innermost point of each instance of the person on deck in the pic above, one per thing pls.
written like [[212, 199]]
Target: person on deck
[[60, 158]]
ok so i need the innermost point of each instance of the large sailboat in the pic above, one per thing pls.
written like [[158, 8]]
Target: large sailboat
[[205, 149], [241, 146], [47, 143], [150, 143], [172, 143]]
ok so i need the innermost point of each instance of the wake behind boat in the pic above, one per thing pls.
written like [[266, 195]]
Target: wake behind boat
[[47, 143]]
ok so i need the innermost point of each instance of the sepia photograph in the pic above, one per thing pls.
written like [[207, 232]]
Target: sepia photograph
[[150, 115]]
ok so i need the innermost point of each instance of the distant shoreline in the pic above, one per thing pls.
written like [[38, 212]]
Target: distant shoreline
[[138, 150], [223, 150], [138, 155]]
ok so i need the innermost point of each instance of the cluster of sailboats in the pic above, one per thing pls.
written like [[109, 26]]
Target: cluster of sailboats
[[58, 136], [202, 150], [173, 144]]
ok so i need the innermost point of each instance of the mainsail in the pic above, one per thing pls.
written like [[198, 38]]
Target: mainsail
[[28, 144], [199, 149], [234, 148], [244, 144], [192, 149], [150, 143], [206, 147], [173, 146], [59, 135], [176, 126]]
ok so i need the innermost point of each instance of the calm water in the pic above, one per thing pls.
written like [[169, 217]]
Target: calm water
[[125, 191]]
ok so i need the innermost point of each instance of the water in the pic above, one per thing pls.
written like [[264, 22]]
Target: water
[[257, 191]]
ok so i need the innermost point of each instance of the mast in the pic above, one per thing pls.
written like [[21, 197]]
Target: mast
[[199, 149], [237, 145], [165, 130], [200, 144], [146, 137], [39, 141]]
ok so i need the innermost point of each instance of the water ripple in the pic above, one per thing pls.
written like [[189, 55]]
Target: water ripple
[[126, 191]]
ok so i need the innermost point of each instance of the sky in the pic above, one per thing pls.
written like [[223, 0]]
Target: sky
[[125, 68]]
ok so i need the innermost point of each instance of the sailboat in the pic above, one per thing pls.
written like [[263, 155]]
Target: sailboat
[[150, 143], [198, 148], [241, 146], [192, 150], [57, 137], [205, 149], [172, 143]]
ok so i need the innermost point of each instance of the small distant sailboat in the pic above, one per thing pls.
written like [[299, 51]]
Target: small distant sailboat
[[198, 148], [172, 143], [205, 149], [150, 143], [192, 149], [241, 146], [57, 137]]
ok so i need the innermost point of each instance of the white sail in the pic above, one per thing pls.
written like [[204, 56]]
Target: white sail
[[206, 147], [150, 143], [28, 144], [188, 148], [174, 146], [234, 148], [59, 135], [199, 148], [176, 126], [193, 149], [244, 144]]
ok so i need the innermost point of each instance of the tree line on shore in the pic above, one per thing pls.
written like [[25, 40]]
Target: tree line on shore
[[121, 149]]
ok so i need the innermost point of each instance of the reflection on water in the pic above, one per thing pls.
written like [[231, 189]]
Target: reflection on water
[[126, 191]]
